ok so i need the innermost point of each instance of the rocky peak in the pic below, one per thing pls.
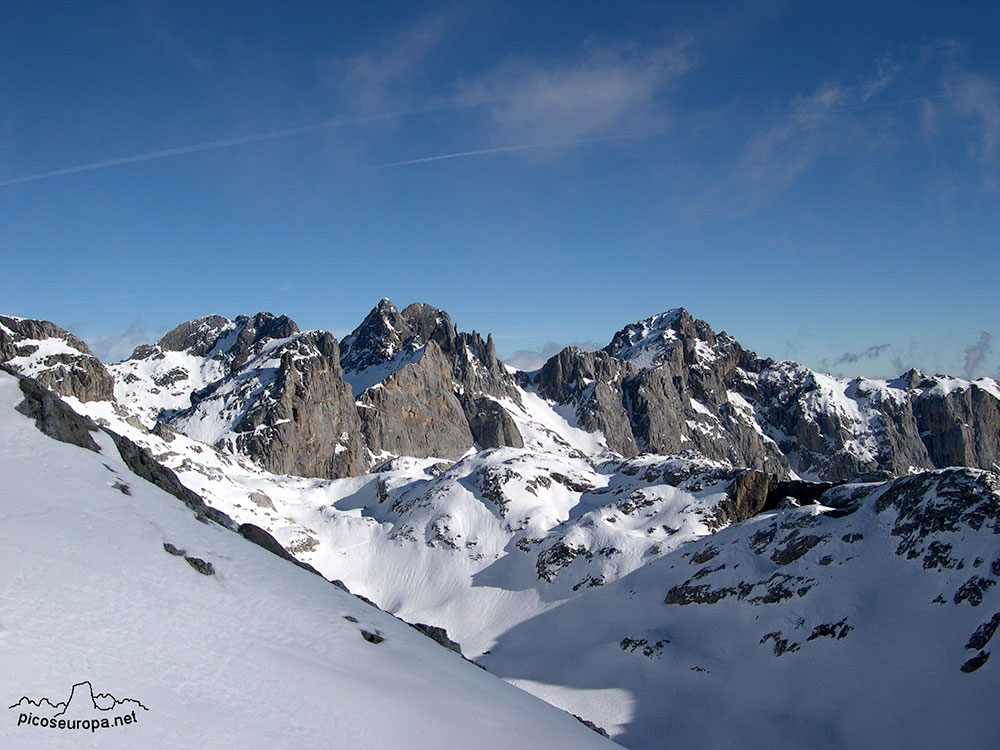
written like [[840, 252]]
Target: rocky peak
[[379, 338], [57, 359], [197, 337], [911, 380], [650, 343], [254, 332], [387, 340], [427, 323]]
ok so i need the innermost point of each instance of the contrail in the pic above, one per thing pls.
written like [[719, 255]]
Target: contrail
[[151, 155], [503, 150], [222, 143]]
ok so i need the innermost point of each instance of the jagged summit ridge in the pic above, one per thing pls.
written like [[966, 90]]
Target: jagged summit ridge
[[669, 384], [410, 383]]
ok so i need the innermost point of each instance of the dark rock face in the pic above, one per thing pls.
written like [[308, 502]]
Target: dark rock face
[[232, 343], [76, 373], [197, 337], [253, 332], [379, 338], [54, 418], [670, 384], [746, 497], [300, 417], [592, 383], [437, 634], [474, 362], [828, 442], [415, 412], [420, 349], [663, 391], [960, 428], [490, 424], [307, 425]]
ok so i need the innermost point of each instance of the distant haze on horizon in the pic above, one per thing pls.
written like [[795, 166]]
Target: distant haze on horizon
[[820, 182]]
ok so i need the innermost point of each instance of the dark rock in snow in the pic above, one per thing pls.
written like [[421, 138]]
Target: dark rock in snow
[[591, 725], [437, 634], [371, 637], [261, 538], [984, 633], [202, 566], [975, 662], [54, 418]]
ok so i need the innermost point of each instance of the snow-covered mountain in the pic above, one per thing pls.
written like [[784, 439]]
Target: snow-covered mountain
[[515, 510], [113, 588]]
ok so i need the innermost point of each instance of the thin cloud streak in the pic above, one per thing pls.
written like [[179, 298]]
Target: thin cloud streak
[[506, 149], [270, 135]]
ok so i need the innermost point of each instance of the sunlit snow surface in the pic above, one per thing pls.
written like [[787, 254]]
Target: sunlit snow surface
[[542, 562], [259, 655]]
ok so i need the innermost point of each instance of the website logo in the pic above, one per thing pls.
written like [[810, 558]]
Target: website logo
[[84, 710]]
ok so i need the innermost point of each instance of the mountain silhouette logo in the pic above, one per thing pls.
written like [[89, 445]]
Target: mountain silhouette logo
[[83, 709]]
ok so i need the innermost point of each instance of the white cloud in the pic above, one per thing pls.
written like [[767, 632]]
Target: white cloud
[[973, 100], [118, 345], [532, 359], [385, 79], [605, 89], [834, 116]]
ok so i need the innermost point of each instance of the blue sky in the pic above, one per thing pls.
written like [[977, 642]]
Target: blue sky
[[822, 181]]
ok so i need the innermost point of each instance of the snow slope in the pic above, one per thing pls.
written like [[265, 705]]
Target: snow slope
[[259, 654], [864, 621]]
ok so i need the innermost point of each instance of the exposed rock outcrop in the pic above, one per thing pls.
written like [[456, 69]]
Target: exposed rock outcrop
[[491, 425], [669, 384], [592, 383], [54, 418], [197, 337], [414, 411], [959, 426], [414, 368], [291, 411], [55, 358]]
